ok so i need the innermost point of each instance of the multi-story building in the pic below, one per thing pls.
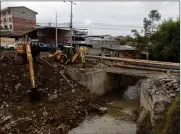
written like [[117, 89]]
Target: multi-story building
[[17, 18]]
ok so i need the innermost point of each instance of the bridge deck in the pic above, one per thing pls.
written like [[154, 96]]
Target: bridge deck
[[138, 62]]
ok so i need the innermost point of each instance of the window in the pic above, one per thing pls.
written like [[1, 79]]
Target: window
[[4, 20], [23, 12], [5, 27], [34, 43], [10, 19], [10, 26], [9, 12]]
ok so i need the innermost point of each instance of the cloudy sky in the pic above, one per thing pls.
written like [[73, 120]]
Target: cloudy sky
[[114, 18]]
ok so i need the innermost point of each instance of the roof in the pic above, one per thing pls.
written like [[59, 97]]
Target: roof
[[119, 48], [18, 7], [53, 27], [20, 32], [96, 35]]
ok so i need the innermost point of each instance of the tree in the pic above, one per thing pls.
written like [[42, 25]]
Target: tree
[[166, 41], [123, 41], [154, 16], [141, 41], [146, 25]]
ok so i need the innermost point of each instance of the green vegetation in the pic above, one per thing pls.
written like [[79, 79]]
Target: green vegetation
[[166, 42], [162, 41], [123, 41]]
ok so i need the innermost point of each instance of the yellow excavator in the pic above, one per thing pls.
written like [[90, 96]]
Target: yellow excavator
[[65, 56], [29, 51], [68, 54], [33, 93]]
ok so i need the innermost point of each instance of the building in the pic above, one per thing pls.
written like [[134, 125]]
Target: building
[[96, 42], [124, 51], [45, 34], [17, 18]]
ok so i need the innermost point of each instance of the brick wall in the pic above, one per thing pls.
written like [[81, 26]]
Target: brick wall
[[19, 23]]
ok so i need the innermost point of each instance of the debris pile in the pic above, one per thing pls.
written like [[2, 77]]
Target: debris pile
[[167, 85], [61, 107], [157, 94]]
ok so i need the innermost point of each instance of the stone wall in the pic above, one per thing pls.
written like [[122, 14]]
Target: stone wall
[[157, 94]]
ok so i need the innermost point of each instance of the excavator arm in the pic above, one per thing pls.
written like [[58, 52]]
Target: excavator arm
[[30, 59], [82, 51]]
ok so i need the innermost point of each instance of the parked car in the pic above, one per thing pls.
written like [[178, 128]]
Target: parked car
[[9, 46], [47, 47]]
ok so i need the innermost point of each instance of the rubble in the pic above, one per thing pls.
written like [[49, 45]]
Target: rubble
[[167, 85], [61, 107], [157, 94], [102, 110]]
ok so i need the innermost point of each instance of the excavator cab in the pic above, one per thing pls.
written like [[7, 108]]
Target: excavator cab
[[68, 50]]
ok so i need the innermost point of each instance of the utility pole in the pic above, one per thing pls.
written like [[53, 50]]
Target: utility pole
[[56, 32], [71, 16]]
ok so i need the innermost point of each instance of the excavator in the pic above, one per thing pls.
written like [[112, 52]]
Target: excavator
[[29, 51], [68, 54]]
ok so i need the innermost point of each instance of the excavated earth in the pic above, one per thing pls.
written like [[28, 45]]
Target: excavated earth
[[60, 109]]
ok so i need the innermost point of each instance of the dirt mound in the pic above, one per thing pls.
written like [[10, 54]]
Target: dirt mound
[[61, 107]]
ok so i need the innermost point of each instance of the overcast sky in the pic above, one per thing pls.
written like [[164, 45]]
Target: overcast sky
[[114, 18]]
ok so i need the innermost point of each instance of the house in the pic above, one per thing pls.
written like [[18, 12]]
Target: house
[[123, 51], [17, 18], [96, 42]]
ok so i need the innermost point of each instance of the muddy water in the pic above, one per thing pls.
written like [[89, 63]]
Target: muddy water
[[120, 118]]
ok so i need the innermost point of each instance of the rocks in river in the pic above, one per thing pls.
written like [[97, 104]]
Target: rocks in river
[[102, 110]]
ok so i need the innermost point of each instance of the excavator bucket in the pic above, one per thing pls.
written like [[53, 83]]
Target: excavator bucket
[[34, 94]]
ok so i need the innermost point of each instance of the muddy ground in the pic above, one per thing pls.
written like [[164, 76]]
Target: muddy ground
[[60, 109]]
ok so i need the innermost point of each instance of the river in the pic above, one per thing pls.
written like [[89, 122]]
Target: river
[[120, 118]]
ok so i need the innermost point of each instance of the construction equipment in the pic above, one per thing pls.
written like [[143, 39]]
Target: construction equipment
[[68, 54], [33, 93], [29, 51]]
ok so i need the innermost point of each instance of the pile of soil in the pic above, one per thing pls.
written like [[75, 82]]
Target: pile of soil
[[60, 109]]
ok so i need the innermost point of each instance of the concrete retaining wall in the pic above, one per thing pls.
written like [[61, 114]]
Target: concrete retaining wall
[[96, 81], [101, 82]]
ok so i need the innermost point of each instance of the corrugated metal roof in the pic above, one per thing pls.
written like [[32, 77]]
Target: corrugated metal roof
[[19, 32]]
